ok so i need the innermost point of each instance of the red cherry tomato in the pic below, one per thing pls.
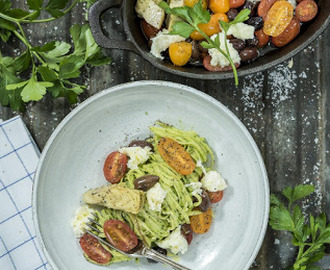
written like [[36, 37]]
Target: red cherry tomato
[[216, 196], [94, 250], [115, 167], [187, 232], [306, 10], [208, 66], [119, 234]]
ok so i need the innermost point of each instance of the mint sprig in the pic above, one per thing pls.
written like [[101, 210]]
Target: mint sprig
[[52, 67], [193, 16], [310, 236]]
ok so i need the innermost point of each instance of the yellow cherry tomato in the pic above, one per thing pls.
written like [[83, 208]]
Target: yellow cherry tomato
[[191, 3], [180, 53], [219, 6], [278, 18], [210, 28]]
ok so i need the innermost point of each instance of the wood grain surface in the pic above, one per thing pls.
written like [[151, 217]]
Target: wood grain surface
[[286, 110]]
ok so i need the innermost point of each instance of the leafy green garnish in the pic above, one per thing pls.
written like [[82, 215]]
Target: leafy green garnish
[[52, 66], [193, 16], [309, 236]]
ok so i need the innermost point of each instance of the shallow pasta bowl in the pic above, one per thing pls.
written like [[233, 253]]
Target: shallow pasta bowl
[[72, 162]]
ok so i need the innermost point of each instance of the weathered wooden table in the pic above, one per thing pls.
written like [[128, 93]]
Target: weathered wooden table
[[286, 109]]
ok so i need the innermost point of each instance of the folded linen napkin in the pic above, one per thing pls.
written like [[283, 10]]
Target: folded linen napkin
[[18, 160]]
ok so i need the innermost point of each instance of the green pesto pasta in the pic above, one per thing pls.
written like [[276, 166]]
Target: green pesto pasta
[[151, 226]]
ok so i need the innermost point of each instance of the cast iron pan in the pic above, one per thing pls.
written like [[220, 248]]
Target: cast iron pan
[[137, 43]]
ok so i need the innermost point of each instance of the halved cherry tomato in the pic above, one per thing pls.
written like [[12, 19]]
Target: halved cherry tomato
[[180, 52], [148, 30], [216, 196], [176, 156], [210, 28], [219, 6], [191, 3], [306, 10], [119, 234], [201, 223], [187, 232], [115, 167], [208, 66], [94, 250]]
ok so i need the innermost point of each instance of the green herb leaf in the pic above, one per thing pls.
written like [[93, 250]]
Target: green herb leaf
[[298, 192], [35, 4], [34, 90], [182, 29], [198, 14], [57, 4], [45, 48], [17, 13], [5, 5], [56, 13], [47, 74], [280, 219], [242, 16], [7, 25]]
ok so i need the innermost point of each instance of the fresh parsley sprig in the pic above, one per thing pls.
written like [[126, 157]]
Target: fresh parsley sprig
[[193, 16], [310, 237], [52, 67]]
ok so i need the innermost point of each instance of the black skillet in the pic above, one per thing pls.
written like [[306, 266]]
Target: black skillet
[[137, 43]]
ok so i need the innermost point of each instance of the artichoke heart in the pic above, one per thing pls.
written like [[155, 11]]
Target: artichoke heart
[[116, 197]]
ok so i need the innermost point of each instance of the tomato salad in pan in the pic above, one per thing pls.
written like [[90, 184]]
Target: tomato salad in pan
[[159, 192], [220, 34]]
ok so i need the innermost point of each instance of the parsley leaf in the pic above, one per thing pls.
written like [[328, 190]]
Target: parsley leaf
[[54, 66], [309, 236]]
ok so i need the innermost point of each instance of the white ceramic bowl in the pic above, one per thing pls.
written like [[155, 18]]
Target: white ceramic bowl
[[72, 162]]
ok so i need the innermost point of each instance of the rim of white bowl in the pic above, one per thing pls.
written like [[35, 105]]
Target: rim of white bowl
[[122, 87]]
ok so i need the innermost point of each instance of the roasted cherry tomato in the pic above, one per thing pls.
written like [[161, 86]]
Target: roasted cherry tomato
[[148, 30], [115, 167], [191, 3], [210, 28], [236, 3], [201, 223], [216, 196], [176, 156], [306, 10], [94, 250], [208, 66], [219, 6], [263, 39], [180, 52], [119, 234], [278, 18], [264, 7], [288, 34], [187, 232]]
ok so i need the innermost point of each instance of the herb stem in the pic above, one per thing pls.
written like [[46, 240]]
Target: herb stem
[[227, 55], [53, 18], [8, 18]]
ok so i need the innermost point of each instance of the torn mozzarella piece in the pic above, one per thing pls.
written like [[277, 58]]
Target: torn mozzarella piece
[[241, 31], [155, 197], [137, 155], [175, 242], [162, 41], [80, 219], [217, 58]]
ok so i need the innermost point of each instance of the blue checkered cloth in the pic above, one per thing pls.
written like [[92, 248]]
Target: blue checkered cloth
[[18, 160]]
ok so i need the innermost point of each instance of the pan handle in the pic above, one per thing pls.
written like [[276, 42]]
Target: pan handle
[[94, 17]]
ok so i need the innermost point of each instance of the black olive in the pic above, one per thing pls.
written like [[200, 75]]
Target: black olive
[[252, 42], [256, 22], [251, 6], [248, 54], [238, 44], [205, 203], [141, 144], [232, 13], [145, 182]]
